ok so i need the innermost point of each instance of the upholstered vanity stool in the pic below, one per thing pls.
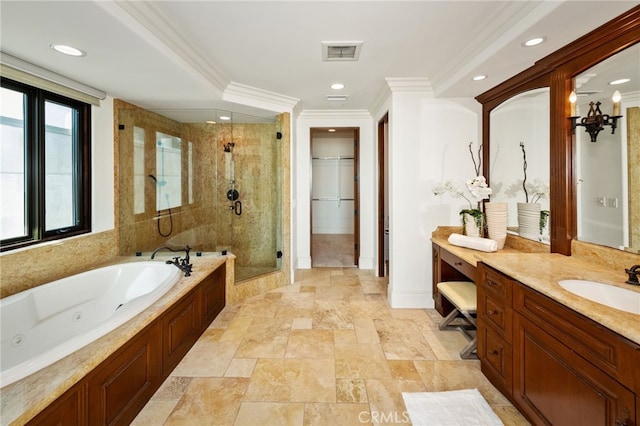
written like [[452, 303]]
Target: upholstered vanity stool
[[462, 295]]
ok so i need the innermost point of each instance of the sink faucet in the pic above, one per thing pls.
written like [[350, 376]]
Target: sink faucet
[[182, 264], [633, 272]]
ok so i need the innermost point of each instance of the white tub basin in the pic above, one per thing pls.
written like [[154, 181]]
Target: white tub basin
[[46, 323], [605, 294]]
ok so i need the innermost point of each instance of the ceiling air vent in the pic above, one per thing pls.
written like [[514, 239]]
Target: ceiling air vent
[[341, 50], [337, 97]]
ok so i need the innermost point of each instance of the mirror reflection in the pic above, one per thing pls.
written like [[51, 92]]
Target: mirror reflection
[[519, 159], [608, 170]]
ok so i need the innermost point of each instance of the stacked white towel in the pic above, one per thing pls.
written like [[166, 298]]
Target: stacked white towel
[[475, 243]]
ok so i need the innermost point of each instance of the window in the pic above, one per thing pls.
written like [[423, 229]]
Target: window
[[45, 191]]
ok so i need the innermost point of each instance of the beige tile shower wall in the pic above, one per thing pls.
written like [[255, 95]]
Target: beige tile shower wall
[[30, 268], [262, 172], [190, 223]]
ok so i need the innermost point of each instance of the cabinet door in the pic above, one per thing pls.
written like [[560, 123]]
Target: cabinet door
[[496, 358], [213, 295], [180, 330], [124, 383], [553, 385], [68, 410]]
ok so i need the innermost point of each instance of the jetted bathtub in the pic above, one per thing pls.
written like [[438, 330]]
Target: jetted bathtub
[[49, 322]]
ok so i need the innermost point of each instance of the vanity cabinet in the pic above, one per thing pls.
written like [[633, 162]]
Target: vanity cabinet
[[495, 327], [557, 366], [115, 391], [446, 266]]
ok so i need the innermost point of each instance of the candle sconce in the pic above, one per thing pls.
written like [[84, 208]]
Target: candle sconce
[[595, 120]]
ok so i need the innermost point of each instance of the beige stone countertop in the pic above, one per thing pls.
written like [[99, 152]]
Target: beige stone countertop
[[24, 399], [542, 271]]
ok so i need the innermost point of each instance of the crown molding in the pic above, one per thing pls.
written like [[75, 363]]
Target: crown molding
[[259, 98], [416, 84]]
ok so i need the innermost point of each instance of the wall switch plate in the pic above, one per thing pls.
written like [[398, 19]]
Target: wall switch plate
[[612, 202], [600, 201]]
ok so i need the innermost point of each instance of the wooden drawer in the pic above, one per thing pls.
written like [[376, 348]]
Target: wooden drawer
[[496, 358], [495, 313], [610, 352], [498, 285], [462, 266]]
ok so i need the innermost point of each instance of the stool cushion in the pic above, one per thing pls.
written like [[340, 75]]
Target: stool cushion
[[462, 294]]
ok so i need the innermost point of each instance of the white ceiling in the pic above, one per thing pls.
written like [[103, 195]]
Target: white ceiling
[[186, 59]]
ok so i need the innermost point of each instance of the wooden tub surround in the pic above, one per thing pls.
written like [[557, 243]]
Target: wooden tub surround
[[560, 358], [110, 380]]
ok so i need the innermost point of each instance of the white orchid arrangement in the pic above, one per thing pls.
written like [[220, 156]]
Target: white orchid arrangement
[[537, 190], [476, 189]]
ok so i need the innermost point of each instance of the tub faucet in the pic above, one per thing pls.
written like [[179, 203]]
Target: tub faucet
[[182, 264], [633, 272]]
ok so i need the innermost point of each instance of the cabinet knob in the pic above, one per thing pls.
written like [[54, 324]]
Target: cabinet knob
[[491, 312], [458, 263], [490, 283], [493, 352]]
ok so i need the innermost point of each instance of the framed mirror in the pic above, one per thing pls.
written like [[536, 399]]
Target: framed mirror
[[521, 119], [557, 71], [608, 170]]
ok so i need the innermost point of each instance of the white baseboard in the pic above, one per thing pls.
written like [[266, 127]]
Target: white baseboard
[[411, 300], [366, 263], [304, 263]]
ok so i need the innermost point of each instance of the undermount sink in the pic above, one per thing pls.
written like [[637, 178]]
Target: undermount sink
[[605, 294]]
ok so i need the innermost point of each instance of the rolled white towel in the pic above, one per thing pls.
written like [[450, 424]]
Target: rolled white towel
[[476, 243]]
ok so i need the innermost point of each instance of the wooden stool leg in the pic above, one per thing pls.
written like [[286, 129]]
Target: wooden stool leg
[[445, 324]]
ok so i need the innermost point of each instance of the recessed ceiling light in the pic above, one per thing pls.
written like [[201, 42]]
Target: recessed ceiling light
[[224, 118], [533, 42], [210, 122], [331, 130], [337, 86], [479, 77], [619, 81], [67, 50]]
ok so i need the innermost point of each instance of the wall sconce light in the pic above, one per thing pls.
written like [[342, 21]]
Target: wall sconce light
[[595, 120]]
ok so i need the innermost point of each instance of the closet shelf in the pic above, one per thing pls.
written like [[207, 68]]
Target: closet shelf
[[333, 158]]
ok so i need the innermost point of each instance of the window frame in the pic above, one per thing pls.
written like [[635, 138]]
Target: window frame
[[35, 131]]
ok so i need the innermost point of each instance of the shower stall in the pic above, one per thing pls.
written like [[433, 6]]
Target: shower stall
[[216, 187]]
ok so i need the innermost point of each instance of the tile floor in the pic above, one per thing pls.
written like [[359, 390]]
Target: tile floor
[[327, 350], [332, 250]]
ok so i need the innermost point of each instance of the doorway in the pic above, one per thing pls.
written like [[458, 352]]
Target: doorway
[[335, 224]]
